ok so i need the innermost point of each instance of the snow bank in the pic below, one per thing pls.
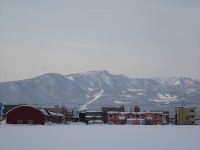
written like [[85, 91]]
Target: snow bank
[[99, 137]]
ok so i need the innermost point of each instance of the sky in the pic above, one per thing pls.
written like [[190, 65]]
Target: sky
[[138, 38]]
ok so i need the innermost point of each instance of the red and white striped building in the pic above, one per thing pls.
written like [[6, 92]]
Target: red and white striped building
[[136, 118]]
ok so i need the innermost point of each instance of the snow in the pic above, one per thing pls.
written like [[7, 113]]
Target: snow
[[13, 87], [99, 137], [136, 90], [107, 80], [56, 114], [166, 98], [96, 97], [140, 94], [120, 102], [170, 81], [128, 96], [177, 82], [71, 78], [90, 89], [190, 91]]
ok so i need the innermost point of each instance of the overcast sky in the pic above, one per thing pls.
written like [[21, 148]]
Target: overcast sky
[[138, 38]]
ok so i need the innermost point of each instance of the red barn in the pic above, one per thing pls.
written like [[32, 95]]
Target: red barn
[[25, 115]]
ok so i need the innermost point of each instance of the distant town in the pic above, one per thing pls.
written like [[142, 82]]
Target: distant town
[[116, 115]]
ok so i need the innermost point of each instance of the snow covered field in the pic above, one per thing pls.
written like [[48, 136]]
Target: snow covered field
[[99, 137]]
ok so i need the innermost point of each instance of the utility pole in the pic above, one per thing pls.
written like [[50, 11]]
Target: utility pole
[[65, 110], [131, 108], [1, 112], [182, 113], [64, 113], [74, 111]]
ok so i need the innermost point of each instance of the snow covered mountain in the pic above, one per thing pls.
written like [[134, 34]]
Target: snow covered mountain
[[94, 89]]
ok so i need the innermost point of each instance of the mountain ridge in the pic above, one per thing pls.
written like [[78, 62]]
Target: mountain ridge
[[93, 89]]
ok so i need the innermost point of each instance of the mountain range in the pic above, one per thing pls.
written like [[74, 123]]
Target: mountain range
[[93, 89]]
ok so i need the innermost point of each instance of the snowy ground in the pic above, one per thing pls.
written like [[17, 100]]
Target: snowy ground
[[99, 137]]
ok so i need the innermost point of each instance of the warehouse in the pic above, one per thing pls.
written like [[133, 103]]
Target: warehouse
[[25, 114]]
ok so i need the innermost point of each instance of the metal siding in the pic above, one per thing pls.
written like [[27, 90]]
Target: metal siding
[[25, 113]]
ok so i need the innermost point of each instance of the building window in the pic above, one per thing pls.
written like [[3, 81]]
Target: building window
[[192, 110], [19, 121], [30, 122]]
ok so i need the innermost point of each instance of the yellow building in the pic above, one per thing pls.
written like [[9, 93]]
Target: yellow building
[[186, 115]]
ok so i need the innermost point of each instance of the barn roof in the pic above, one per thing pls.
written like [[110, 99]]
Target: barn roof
[[42, 110], [39, 109]]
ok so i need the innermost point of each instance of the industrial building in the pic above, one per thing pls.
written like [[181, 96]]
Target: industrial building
[[136, 118], [26, 114], [186, 115]]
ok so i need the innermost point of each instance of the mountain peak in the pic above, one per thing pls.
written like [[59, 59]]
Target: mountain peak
[[100, 88], [49, 75], [95, 72]]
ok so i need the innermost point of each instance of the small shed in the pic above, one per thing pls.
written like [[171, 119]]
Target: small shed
[[25, 114], [55, 117], [93, 117]]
